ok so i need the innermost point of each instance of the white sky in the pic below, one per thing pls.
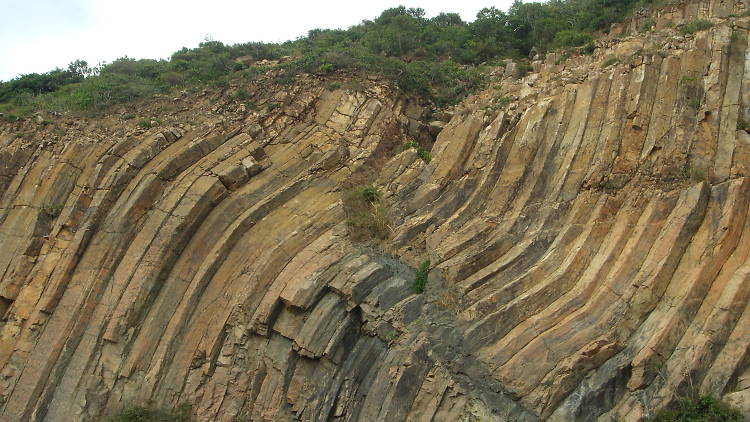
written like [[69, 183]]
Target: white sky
[[39, 35]]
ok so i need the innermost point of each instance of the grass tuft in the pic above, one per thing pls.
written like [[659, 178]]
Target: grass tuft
[[365, 215]]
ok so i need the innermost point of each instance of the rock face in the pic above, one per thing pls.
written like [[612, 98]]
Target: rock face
[[587, 225]]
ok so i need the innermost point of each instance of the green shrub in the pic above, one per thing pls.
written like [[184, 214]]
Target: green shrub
[[451, 82], [210, 61], [571, 38], [106, 90], [410, 144], [702, 409], [143, 68], [253, 72], [34, 83], [242, 95], [562, 58], [10, 117], [525, 68], [142, 414], [420, 278], [503, 102], [695, 26], [687, 80], [144, 124], [422, 153], [696, 174], [220, 82], [172, 78], [589, 48], [647, 25], [326, 67], [415, 78], [284, 80]]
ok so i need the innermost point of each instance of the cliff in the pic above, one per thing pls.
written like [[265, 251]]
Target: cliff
[[586, 224]]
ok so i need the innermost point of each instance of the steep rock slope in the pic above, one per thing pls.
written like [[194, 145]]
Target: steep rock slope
[[587, 226]]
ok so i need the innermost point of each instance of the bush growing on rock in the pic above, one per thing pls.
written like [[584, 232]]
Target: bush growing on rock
[[700, 409], [695, 26], [242, 95], [647, 25], [743, 124], [422, 153], [142, 414], [420, 279], [425, 155], [571, 38], [366, 216], [172, 78]]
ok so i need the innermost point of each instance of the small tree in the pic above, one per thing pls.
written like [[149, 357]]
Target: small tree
[[81, 68]]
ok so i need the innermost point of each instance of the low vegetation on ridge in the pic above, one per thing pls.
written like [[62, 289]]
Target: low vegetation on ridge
[[142, 414], [700, 409], [438, 58]]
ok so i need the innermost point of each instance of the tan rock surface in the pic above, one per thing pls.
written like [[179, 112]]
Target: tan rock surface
[[590, 245]]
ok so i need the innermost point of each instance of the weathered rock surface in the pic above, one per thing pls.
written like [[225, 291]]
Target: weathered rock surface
[[588, 228]]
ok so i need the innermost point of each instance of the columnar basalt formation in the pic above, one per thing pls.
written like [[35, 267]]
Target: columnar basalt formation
[[587, 226]]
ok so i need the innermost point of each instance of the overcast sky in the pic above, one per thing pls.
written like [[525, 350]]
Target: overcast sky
[[39, 35]]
